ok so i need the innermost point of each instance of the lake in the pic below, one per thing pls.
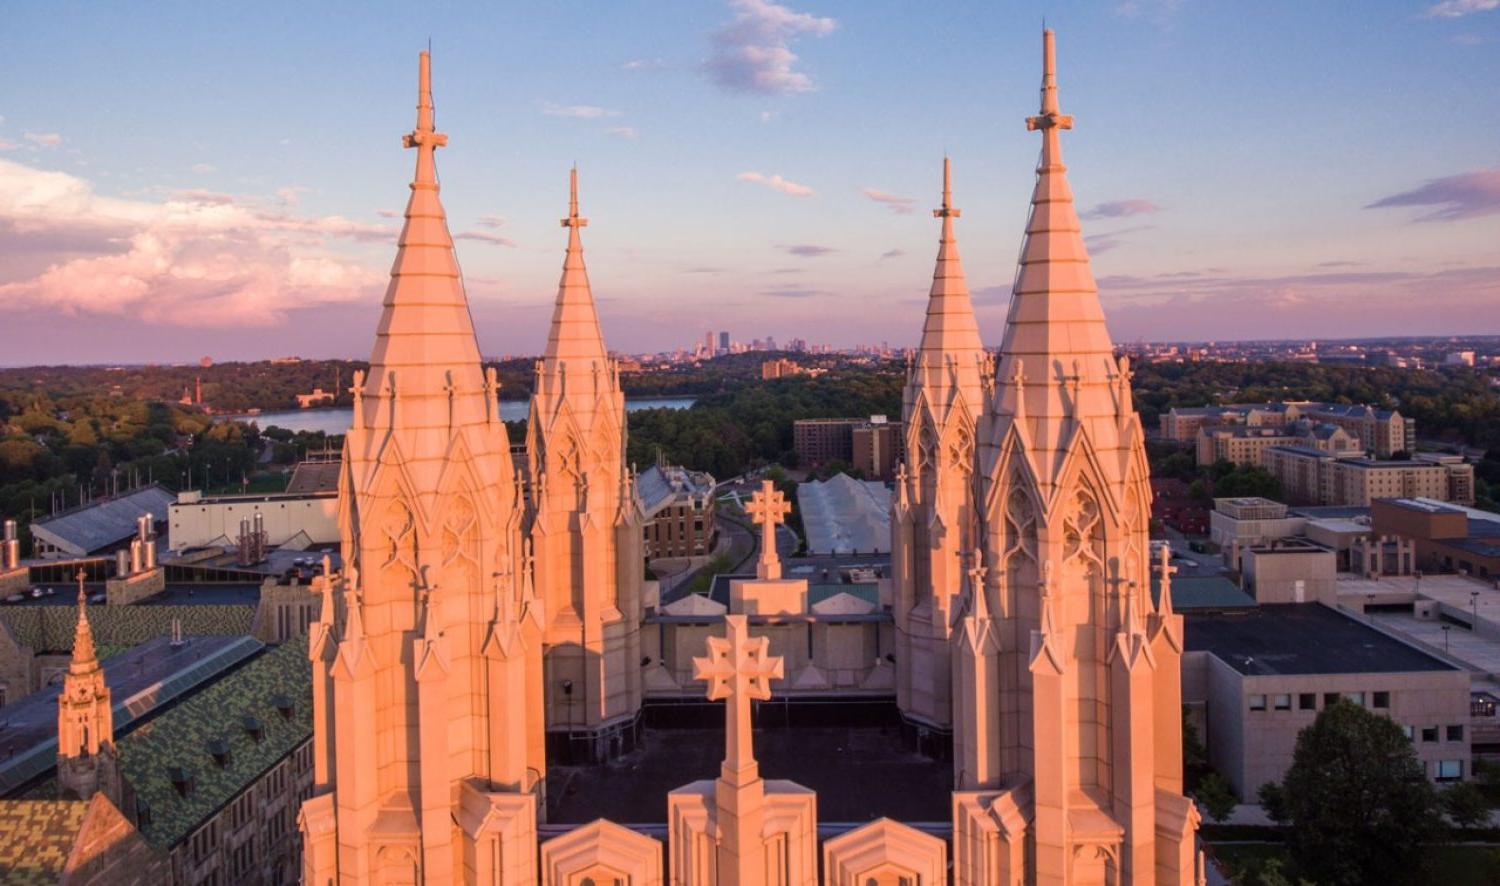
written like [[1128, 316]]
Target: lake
[[336, 421]]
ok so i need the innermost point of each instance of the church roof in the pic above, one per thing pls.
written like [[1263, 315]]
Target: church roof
[[53, 628], [141, 681], [180, 737], [36, 838]]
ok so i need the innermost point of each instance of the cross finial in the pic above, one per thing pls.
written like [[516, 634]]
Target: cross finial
[[80, 575], [424, 138], [1050, 117], [947, 210], [768, 507], [573, 220], [738, 668]]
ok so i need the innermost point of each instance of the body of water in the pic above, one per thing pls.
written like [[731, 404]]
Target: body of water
[[336, 421]]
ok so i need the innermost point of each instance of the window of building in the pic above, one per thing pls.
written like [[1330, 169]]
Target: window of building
[[1449, 770], [1410, 732], [1356, 697], [1307, 701], [1329, 698], [1381, 700], [1429, 733], [1283, 702], [1257, 702], [1455, 733]]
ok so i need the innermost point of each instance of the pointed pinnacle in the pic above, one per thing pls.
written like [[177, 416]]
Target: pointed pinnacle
[[947, 210], [573, 220]]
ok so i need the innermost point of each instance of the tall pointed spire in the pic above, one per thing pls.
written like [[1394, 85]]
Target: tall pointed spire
[[575, 336], [84, 656], [1055, 322], [950, 334]]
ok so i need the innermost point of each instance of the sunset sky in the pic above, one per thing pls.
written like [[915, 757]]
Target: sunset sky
[[187, 179]]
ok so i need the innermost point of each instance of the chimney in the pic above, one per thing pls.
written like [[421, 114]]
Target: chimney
[[122, 562], [12, 555], [135, 555], [143, 527]]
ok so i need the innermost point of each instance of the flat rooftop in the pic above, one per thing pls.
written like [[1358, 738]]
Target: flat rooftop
[[860, 773], [1301, 638]]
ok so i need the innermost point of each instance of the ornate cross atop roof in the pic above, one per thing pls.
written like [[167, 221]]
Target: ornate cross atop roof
[[738, 668], [768, 508]]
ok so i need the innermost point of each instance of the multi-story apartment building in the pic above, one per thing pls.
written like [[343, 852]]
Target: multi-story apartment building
[[873, 446], [678, 505], [1244, 444], [1381, 431], [1313, 476]]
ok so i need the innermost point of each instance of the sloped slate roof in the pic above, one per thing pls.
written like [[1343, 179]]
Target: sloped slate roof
[[103, 523], [180, 738], [36, 838], [313, 477], [51, 628]]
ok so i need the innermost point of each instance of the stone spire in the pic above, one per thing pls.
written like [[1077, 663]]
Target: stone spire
[[575, 337], [84, 657], [587, 565], [86, 762], [425, 367], [1055, 323], [410, 712], [1090, 708], [942, 406]]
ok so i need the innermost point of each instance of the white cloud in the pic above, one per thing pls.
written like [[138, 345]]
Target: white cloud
[[195, 258], [898, 205], [204, 168], [776, 183], [752, 53], [45, 139], [491, 221], [582, 112], [388, 213], [7, 145], [1460, 8], [767, 116], [644, 64], [625, 132]]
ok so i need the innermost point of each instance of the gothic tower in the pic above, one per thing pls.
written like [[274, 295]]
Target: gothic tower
[[932, 514], [86, 760], [586, 524], [428, 745], [1069, 699]]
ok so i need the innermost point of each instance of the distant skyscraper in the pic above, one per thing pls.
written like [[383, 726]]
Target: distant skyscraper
[[724, 342], [708, 343]]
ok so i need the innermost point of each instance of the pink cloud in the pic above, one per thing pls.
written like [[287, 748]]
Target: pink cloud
[[776, 183], [484, 237], [898, 205], [1122, 208], [752, 53], [1462, 196], [196, 258]]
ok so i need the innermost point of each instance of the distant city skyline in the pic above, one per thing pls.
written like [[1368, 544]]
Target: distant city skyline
[[203, 180]]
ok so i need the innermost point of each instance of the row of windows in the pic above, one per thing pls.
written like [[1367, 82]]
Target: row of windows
[[1308, 701], [1430, 733]]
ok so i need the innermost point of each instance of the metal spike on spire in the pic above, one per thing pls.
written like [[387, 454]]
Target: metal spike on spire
[[1051, 115], [947, 210], [574, 220]]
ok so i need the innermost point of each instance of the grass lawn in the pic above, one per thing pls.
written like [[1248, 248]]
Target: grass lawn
[[1452, 865]]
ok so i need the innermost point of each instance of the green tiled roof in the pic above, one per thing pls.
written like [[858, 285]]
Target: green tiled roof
[[181, 736], [818, 592], [51, 628], [36, 837]]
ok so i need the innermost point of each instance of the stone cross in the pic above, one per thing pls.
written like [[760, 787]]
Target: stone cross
[[769, 508], [738, 668]]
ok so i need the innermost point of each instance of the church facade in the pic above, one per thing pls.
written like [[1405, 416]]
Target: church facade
[[488, 616]]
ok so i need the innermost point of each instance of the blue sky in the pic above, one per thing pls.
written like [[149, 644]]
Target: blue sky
[[195, 178]]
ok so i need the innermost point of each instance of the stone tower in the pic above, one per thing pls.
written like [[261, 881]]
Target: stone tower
[[86, 760], [586, 524], [932, 514], [429, 751], [1068, 711]]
